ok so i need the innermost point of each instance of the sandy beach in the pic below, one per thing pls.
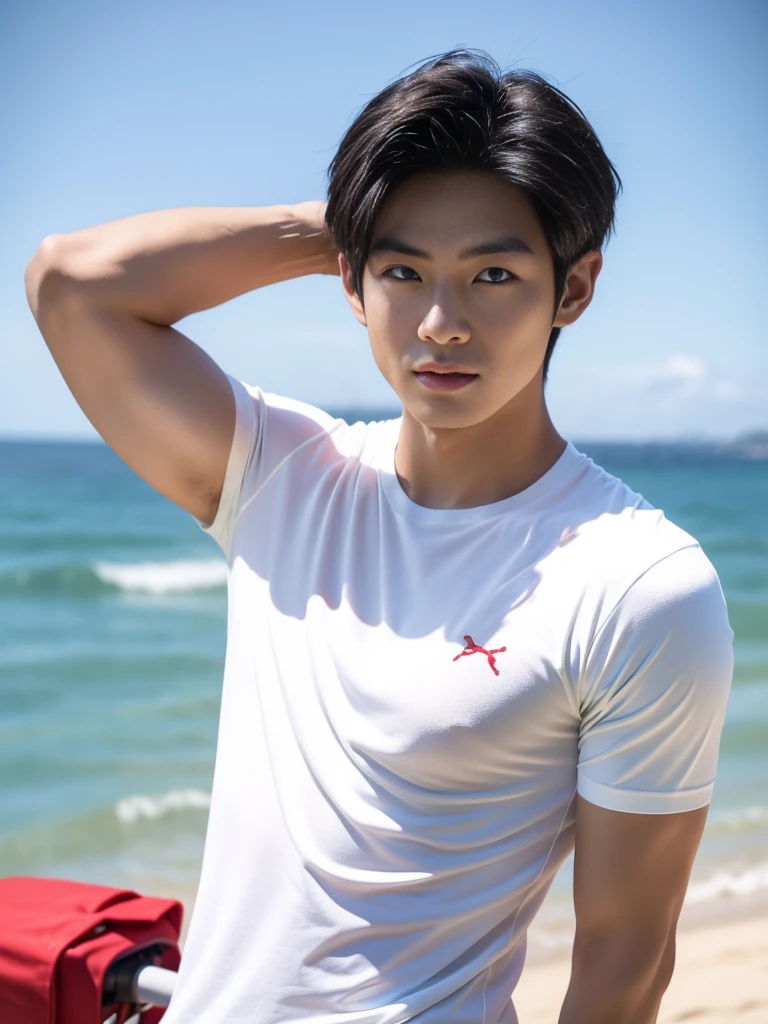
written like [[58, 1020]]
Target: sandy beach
[[721, 976]]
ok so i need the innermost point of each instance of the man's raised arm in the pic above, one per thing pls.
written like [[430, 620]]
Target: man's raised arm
[[104, 299], [630, 876]]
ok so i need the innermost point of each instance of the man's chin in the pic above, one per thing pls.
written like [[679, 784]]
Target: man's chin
[[447, 412]]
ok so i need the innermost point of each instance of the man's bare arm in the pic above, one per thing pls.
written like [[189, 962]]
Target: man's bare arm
[[631, 872], [104, 299]]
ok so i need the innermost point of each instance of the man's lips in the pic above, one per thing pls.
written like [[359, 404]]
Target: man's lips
[[434, 367], [443, 377]]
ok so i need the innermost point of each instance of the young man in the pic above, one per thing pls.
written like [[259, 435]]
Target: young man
[[456, 646]]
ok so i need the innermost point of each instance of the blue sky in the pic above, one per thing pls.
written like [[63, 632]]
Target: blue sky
[[109, 110]]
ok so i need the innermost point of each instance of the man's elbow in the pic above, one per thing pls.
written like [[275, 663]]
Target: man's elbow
[[618, 980], [43, 269], [667, 964]]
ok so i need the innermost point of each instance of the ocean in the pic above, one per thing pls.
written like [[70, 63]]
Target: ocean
[[112, 640]]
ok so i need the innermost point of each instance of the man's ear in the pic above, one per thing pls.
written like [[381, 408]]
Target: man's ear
[[579, 288], [352, 297]]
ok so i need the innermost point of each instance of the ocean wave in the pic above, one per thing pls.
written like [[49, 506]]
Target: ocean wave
[[553, 929], [140, 829], [745, 817], [164, 577], [725, 883], [78, 580], [131, 808]]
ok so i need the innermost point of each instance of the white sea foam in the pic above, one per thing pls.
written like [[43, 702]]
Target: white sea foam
[[164, 577], [138, 806], [554, 932], [745, 816], [724, 883]]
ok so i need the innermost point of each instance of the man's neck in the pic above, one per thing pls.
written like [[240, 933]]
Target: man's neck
[[470, 466]]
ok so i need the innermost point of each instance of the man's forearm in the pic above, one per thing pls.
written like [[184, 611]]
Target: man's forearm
[[617, 982], [168, 264]]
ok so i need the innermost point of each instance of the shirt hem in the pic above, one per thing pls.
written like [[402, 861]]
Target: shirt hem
[[643, 801]]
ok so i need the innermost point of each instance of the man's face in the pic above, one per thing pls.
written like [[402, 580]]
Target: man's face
[[431, 304]]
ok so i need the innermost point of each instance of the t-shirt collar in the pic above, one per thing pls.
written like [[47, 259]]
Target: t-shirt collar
[[570, 462]]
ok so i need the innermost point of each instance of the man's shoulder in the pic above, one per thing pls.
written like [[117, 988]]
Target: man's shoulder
[[637, 580], [621, 535], [289, 423]]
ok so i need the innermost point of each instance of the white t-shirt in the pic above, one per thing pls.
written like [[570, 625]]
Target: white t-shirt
[[412, 698]]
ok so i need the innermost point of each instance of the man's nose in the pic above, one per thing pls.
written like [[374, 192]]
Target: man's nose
[[444, 324]]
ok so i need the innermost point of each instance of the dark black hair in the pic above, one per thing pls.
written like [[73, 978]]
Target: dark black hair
[[458, 111]]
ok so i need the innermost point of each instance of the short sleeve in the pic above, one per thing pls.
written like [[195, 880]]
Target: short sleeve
[[654, 691], [268, 429], [245, 442]]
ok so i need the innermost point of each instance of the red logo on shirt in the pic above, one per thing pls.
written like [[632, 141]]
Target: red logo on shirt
[[472, 648]]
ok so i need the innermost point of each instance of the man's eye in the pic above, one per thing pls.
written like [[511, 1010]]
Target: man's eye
[[389, 272], [495, 271], [403, 273]]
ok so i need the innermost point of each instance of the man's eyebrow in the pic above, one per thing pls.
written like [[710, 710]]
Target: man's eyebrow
[[510, 244]]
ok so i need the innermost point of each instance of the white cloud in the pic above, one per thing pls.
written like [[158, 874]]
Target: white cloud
[[680, 369], [684, 375], [679, 395]]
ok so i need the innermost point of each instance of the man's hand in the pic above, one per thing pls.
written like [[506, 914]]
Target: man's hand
[[630, 876]]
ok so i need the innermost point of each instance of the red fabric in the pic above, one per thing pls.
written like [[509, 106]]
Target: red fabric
[[57, 939]]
